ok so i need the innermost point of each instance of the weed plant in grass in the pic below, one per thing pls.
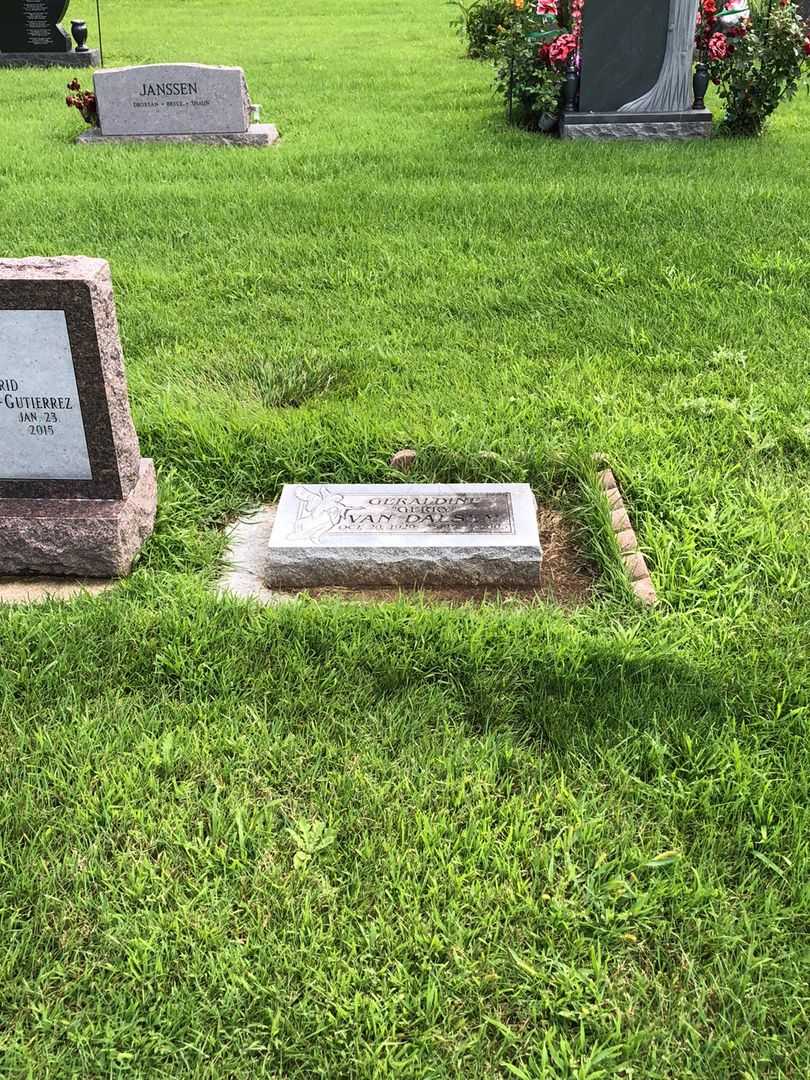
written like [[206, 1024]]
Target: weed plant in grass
[[328, 840]]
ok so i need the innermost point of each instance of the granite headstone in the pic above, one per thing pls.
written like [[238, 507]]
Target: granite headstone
[[636, 72], [76, 498], [451, 535], [31, 35], [176, 102]]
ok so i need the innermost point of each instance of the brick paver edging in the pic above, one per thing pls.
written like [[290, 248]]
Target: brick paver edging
[[634, 562]]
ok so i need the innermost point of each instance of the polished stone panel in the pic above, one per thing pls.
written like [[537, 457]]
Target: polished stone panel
[[41, 427], [623, 46], [32, 26]]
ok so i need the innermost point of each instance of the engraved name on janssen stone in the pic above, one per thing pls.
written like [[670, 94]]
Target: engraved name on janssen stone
[[42, 433], [170, 89], [325, 512]]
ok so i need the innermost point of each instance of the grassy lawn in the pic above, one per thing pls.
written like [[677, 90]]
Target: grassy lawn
[[329, 840]]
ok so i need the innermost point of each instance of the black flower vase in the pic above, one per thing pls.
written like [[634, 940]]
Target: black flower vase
[[700, 84], [571, 85], [78, 29]]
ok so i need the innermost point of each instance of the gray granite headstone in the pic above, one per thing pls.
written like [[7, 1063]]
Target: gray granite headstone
[[451, 535], [75, 495], [176, 103], [172, 99]]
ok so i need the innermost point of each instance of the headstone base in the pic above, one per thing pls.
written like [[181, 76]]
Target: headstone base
[[51, 59], [695, 124], [456, 567], [38, 590], [97, 538], [258, 135]]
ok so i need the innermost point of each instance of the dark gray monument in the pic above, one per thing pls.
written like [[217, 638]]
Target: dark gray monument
[[635, 78], [31, 35]]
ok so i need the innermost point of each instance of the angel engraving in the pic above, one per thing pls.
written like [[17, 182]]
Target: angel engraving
[[319, 510], [672, 90]]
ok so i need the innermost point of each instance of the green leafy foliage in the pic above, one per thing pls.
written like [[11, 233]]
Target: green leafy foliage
[[479, 23], [757, 62], [530, 59], [309, 838]]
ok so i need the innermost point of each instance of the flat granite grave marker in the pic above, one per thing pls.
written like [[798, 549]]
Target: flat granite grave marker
[[635, 78], [76, 498], [176, 103], [404, 534], [30, 36]]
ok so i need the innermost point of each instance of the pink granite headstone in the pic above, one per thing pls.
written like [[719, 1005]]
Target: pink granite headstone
[[76, 498]]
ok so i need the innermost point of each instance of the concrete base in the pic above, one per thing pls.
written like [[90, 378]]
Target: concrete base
[[258, 135], [566, 575], [96, 538], [39, 590], [695, 124], [51, 59]]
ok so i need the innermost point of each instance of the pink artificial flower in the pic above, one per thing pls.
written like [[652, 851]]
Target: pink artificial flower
[[546, 7], [718, 47]]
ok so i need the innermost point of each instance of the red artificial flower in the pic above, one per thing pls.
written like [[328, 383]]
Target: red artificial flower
[[561, 48]]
